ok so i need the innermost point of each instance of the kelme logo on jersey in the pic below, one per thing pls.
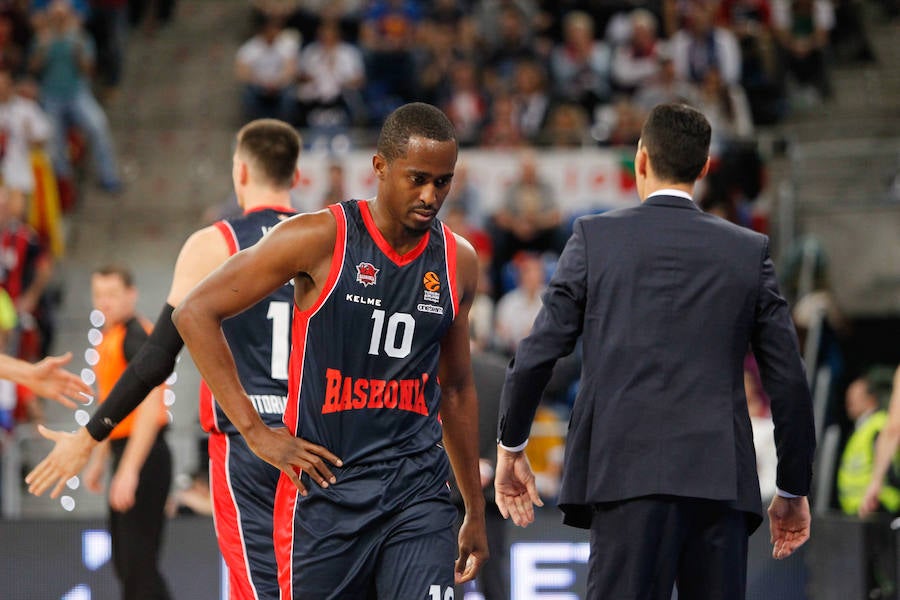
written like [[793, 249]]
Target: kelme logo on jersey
[[366, 274], [432, 287]]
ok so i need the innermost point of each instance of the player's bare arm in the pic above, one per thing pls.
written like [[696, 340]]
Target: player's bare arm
[[200, 254], [299, 248], [459, 415]]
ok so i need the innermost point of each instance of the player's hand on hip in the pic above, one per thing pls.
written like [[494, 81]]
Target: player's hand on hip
[[515, 490], [295, 455], [789, 522], [68, 457]]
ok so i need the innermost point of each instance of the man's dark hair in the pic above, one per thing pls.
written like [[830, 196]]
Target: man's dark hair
[[676, 138], [415, 119], [120, 271], [272, 148]]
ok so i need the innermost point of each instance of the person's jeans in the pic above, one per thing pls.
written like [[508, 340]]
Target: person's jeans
[[83, 111]]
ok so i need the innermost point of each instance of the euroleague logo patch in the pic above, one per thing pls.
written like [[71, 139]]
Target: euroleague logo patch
[[432, 285], [431, 281], [366, 274]]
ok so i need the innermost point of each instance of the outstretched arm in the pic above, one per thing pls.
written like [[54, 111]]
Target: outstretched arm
[[46, 378], [154, 362]]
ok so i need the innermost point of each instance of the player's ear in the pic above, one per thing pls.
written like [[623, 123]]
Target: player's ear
[[380, 165], [296, 178]]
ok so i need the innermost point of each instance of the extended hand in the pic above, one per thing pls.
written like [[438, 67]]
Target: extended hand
[[51, 381], [515, 491], [789, 521], [69, 455], [294, 455]]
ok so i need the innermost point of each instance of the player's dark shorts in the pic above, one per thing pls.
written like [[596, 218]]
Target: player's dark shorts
[[243, 488], [383, 531]]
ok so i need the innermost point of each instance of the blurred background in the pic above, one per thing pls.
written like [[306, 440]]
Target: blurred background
[[119, 147]]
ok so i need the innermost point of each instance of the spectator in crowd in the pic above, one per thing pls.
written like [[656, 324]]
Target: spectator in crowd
[[701, 45], [502, 128], [635, 63], [665, 88], [464, 193], [332, 75], [726, 108], [518, 307], [864, 410], [435, 59], [22, 125], [26, 268], [528, 219], [507, 45], [62, 58], [12, 55], [751, 22], [388, 35], [150, 14], [465, 102], [802, 28], [108, 24], [567, 126], [532, 98], [581, 65], [266, 67]]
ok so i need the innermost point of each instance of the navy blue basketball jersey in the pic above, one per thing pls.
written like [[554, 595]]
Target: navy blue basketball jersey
[[364, 360], [259, 337]]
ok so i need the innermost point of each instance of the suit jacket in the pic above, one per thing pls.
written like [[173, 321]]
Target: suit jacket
[[668, 300]]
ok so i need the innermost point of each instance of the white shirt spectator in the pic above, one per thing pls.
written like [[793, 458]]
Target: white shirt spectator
[[268, 64], [514, 317], [22, 123], [823, 15], [727, 52], [327, 71]]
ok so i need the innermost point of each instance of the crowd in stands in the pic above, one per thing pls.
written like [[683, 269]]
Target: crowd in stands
[[60, 62]]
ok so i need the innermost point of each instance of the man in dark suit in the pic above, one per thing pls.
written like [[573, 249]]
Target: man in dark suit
[[659, 459]]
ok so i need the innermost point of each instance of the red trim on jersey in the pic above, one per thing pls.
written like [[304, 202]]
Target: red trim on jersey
[[228, 233], [300, 324], [283, 533], [383, 244], [226, 520], [450, 255], [277, 207], [207, 409]]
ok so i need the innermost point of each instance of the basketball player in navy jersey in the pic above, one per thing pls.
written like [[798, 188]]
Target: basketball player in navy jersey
[[380, 374], [242, 486]]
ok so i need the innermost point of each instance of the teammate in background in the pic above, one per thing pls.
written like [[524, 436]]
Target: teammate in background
[[242, 486], [142, 462], [382, 291], [46, 378]]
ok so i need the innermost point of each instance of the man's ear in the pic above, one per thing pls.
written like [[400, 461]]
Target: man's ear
[[705, 170], [295, 179], [641, 162], [243, 173], [380, 165]]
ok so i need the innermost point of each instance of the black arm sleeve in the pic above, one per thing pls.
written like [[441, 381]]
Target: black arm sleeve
[[151, 366]]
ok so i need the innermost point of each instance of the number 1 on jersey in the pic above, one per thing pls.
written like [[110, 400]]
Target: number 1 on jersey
[[280, 313]]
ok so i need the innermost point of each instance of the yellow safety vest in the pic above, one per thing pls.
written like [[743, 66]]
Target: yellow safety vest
[[855, 471]]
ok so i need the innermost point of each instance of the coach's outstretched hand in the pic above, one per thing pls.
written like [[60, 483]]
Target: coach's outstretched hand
[[47, 378], [789, 521], [68, 457], [515, 490], [293, 455]]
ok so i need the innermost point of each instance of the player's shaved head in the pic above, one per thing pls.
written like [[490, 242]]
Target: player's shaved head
[[411, 120]]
